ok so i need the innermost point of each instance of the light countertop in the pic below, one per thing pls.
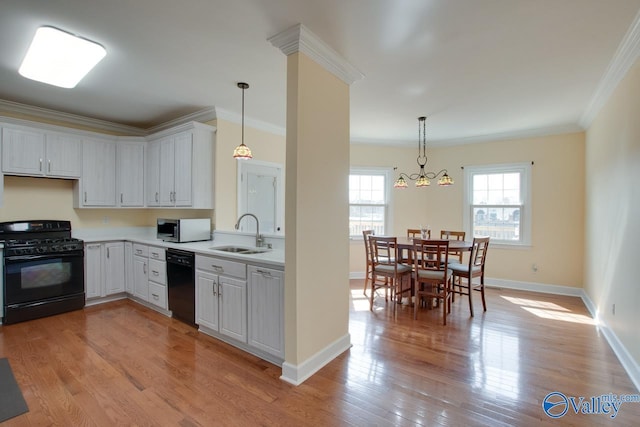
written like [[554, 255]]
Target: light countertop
[[147, 236]]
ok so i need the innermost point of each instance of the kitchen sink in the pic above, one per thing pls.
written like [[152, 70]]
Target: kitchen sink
[[239, 250]]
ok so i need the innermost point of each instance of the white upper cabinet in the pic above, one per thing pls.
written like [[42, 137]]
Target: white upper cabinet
[[130, 173], [35, 152], [171, 168], [180, 167], [98, 184]]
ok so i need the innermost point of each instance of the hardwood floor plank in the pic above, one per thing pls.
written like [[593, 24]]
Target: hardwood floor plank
[[123, 364]]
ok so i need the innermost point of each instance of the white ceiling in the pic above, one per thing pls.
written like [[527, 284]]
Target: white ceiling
[[477, 68]]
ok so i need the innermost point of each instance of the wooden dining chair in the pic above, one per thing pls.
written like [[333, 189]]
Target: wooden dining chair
[[387, 273], [475, 268], [431, 276], [413, 233], [368, 275], [453, 235]]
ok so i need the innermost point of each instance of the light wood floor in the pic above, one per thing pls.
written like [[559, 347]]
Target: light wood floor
[[122, 364]]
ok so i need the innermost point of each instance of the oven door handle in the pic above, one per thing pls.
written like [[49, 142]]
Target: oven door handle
[[22, 258]]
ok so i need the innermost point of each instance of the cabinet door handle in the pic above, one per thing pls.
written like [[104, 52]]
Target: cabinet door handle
[[265, 273], [144, 268], [85, 197], [107, 252], [40, 165], [49, 165], [213, 288], [156, 197], [121, 201]]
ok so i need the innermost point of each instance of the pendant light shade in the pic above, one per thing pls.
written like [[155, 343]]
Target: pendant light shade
[[242, 152]]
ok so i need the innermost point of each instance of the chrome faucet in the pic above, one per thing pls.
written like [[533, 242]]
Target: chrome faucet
[[258, 236]]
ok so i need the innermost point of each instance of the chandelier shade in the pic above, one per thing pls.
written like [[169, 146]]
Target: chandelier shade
[[242, 152], [422, 178]]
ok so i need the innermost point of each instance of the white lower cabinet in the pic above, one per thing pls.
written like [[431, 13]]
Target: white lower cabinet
[[221, 296], [150, 274], [266, 309], [104, 269]]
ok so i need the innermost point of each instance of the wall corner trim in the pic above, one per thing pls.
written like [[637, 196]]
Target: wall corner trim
[[299, 39], [297, 374]]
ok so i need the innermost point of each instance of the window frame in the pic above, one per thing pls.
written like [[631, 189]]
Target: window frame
[[524, 169], [388, 194]]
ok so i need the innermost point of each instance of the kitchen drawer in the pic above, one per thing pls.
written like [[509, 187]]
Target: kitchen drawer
[[157, 253], [140, 250], [221, 266], [158, 295], [158, 271]]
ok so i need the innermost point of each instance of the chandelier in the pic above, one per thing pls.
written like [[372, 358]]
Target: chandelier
[[422, 178], [242, 152]]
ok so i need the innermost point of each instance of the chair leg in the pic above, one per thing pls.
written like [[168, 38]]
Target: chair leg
[[484, 304], [366, 282], [469, 291], [373, 292]]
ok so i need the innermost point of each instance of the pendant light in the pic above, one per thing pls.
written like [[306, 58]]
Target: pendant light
[[242, 152], [422, 178]]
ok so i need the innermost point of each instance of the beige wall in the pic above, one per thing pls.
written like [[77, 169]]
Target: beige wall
[[613, 212], [558, 202], [264, 146]]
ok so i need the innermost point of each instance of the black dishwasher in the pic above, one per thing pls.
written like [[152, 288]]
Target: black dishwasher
[[181, 283]]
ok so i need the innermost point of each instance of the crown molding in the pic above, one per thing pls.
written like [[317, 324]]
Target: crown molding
[[47, 114], [256, 124], [622, 61], [299, 39], [202, 116]]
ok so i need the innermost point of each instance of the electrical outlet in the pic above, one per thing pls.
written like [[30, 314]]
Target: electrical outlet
[[613, 309], [534, 267]]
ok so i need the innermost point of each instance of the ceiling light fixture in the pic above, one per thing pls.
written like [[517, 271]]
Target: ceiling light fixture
[[242, 152], [422, 178], [59, 58]]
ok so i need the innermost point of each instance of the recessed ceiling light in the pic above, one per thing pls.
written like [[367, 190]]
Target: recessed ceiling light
[[58, 58]]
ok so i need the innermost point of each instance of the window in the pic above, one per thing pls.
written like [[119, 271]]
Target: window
[[368, 201], [498, 203]]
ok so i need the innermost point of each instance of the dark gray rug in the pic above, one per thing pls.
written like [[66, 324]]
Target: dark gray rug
[[12, 403]]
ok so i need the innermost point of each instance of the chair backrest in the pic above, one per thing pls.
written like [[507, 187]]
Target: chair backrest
[[430, 254], [383, 250], [452, 235], [367, 248], [479, 253], [416, 233]]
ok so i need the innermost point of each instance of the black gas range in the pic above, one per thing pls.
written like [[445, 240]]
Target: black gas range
[[43, 269]]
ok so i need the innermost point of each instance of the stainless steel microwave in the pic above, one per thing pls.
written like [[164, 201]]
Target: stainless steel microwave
[[184, 230]]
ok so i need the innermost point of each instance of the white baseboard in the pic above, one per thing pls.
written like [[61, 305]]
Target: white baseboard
[[626, 360], [533, 287], [297, 374]]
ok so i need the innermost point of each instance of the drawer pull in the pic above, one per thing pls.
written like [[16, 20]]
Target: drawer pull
[[139, 251], [217, 268], [265, 273], [155, 254], [155, 296], [155, 273]]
